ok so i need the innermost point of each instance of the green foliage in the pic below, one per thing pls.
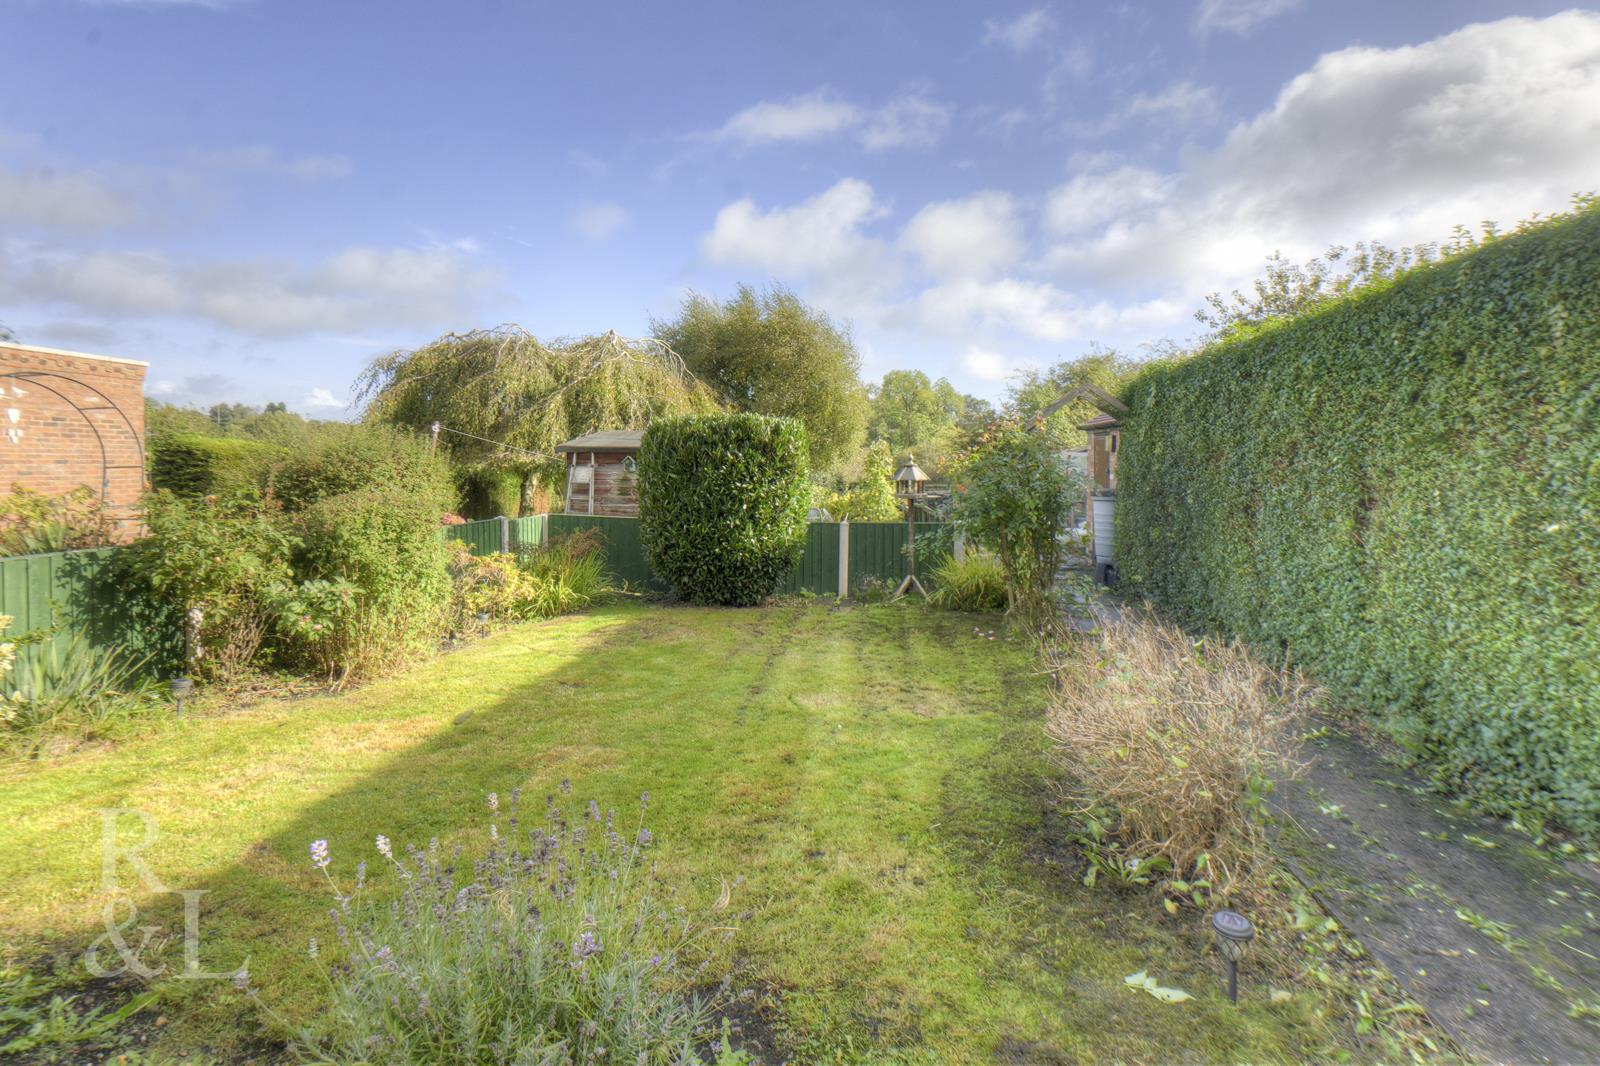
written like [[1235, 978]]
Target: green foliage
[[872, 498], [32, 522], [564, 950], [69, 688], [1013, 497], [193, 465], [41, 1018], [1287, 289], [1032, 391], [769, 353], [508, 386], [975, 583], [1400, 490], [384, 543], [722, 504], [358, 458], [488, 492], [565, 575], [217, 557], [929, 418]]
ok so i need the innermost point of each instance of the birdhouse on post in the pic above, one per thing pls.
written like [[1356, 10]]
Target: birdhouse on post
[[911, 480], [910, 484]]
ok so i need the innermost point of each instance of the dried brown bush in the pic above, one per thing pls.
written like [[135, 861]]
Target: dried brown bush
[[1171, 743]]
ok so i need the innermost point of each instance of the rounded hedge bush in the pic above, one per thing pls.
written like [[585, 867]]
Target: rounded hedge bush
[[722, 504]]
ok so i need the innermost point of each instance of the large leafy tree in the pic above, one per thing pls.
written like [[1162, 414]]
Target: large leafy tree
[[931, 419], [769, 353], [908, 408], [505, 398]]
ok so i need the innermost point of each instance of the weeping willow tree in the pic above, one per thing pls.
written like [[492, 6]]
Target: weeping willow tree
[[504, 399]]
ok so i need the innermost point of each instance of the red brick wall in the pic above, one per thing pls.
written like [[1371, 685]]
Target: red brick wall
[[49, 446]]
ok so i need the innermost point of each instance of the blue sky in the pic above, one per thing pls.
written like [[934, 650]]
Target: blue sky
[[258, 196]]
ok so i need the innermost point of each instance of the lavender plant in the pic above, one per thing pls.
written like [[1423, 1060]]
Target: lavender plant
[[558, 946]]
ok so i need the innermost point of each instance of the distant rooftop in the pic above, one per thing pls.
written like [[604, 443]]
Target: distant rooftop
[[606, 440]]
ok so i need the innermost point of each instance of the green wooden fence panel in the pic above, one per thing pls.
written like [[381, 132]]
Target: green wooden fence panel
[[72, 593], [818, 569], [482, 536], [529, 531], [625, 556], [877, 551]]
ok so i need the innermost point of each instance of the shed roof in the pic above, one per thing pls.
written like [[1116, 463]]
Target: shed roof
[[1101, 421], [605, 440]]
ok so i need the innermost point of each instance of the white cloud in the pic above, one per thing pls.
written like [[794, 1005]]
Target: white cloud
[[1238, 16], [1073, 65], [815, 235], [77, 202], [800, 118], [1021, 33], [971, 237], [1496, 120], [599, 221], [1094, 197], [320, 397], [356, 288], [986, 364], [262, 159], [910, 120], [907, 121], [1183, 101]]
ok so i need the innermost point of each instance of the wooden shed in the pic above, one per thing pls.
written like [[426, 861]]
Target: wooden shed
[[601, 478], [1105, 436]]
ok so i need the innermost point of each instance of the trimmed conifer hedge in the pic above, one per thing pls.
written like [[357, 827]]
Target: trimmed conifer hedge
[[1402, 492], [722, 504], [195, 465]]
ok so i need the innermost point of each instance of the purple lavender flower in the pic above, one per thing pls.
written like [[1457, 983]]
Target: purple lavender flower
[[594, 811], [644, 838], [586, 945], [319, 854], [384, 847], [566, 786]]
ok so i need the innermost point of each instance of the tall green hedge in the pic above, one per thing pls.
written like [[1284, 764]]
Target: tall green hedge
[[722, 504], [1402, 492], [195, 465]]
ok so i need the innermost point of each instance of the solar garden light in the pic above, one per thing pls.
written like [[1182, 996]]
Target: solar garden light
[[483, 622], [1234, 933], [181, 687]]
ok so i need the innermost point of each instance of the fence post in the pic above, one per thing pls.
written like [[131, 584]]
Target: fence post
[[505, 534], [844, 559]]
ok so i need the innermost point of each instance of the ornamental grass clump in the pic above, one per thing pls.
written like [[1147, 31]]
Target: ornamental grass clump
[[1170, 747], [559, 945]]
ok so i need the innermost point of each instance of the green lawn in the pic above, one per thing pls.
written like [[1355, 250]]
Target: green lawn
[[877, 775]]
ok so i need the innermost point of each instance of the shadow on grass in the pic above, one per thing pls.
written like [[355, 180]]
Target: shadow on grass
[[880, 775], [561, 722]]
